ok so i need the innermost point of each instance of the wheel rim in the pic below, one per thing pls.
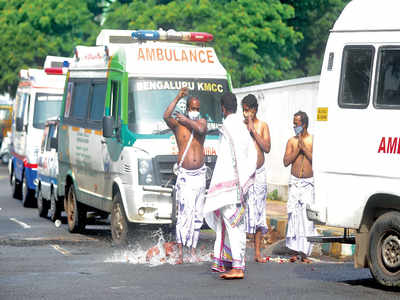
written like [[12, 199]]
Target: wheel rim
[[24, 189], [40, 200], [118, 225], [390, 251], [52, 206]]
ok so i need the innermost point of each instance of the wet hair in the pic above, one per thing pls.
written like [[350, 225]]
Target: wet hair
[[228, 100], [251, 101], [303, 117]]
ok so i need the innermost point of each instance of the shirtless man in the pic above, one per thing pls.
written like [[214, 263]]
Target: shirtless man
[[190, 185], [301, 188], [256, 222]]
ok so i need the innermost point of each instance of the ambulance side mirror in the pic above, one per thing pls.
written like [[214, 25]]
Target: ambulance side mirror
[[19, 124], [108, 126]]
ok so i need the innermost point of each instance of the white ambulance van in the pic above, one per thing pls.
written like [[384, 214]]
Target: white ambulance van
[[39, 97], [116, 154], [356, 154]]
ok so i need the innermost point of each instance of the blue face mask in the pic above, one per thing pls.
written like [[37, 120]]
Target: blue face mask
[[298, 130]]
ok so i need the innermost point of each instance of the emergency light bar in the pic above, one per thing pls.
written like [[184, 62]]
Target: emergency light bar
[[172, 35], [58, 71]]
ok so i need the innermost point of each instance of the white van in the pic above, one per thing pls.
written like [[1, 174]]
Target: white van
[[357, 143], [39, 97], [116, 154]]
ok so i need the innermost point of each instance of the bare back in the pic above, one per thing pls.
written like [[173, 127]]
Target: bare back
[[195, 155]]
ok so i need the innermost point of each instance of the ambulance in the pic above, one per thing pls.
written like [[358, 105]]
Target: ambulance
[[38, 97], [356, 153], [116, 154]]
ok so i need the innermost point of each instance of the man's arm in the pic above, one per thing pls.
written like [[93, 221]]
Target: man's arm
[[199, 126], [171, 122], [290, 153], [263, 140]]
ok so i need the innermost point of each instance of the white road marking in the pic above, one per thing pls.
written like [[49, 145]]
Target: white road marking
[[24, 225], [61, 250]]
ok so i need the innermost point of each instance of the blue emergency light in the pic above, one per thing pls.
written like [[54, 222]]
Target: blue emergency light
[[171, 35]]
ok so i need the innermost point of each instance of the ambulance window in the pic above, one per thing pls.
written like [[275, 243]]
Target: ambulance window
[[80, 100], [355, 81], [97, 101], [387, 93], [44, 138], [49, 136]]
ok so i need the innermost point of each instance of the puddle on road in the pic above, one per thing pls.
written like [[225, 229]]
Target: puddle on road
[[162, 251]]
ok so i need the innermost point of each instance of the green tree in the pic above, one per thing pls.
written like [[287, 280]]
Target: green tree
[[252, 39], [31, 30], [314, 19]]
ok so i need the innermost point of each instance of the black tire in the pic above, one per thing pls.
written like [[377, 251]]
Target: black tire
[[76, 212], [55, 208], [42, 204], [15, 186], [384, 249], [28, 195], [5, 158], [121, 228]]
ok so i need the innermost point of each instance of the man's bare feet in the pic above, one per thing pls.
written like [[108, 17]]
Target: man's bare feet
[[306, 260], [293, 258], [260, 260], [233, 274], [179, 261]]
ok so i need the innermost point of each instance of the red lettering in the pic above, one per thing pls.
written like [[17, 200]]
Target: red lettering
[[382, 146], [150, 54], [176, 59], [209, 56], [160, 55], [141, 54], [392, 145], [202, 60], [193, 55]]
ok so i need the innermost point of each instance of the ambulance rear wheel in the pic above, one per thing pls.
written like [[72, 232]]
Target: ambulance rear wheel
[[28, 195], [42, 204], [15, 186], [76, 212], [384, 249], [121, 228]]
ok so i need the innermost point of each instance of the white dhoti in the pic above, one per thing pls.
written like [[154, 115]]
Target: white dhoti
[[190, 194], [230, 239], [256, 218], [301, 193]]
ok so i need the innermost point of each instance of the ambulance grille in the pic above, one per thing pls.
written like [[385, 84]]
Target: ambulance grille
[[163, 169]]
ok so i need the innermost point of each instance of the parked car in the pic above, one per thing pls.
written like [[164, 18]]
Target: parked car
[[46, 182]]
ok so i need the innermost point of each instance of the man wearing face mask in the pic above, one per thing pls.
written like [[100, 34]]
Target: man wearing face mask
[[301, 188], [190, 185]]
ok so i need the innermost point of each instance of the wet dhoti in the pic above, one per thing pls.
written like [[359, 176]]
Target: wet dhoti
[[190, 194], [301, 193]]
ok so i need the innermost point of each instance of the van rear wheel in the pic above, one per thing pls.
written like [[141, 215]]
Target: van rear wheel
[[384, 249], [55, 208], [76, 212], [121, 228]]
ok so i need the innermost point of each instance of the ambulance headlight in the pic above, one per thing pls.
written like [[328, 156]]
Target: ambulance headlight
[[145, 170]]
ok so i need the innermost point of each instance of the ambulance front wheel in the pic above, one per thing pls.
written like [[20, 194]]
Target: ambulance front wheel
[[76, 212], [28, 195], [55, 208], [384, 249], [121, 228], [15, 186], [42, 204]]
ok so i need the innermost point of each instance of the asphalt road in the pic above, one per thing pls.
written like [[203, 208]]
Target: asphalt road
[[41, 261]]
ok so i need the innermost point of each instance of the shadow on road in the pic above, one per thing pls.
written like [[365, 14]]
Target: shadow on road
[[371, 283]]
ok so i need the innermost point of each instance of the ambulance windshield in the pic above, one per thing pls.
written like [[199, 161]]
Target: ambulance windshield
[[46, 106], [149, 98]]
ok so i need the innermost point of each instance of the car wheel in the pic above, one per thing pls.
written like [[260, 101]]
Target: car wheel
[[42, 204], [76, 212], [55, 208], [28, 196], [15, 186], [121, 228], [5, 158], [384, 249]]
